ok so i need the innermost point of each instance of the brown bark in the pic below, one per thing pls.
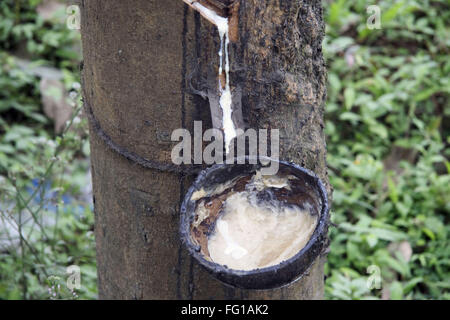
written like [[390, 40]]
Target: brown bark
[[140, 59]]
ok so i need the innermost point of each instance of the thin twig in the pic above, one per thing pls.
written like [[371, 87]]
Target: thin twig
[[28, 245]]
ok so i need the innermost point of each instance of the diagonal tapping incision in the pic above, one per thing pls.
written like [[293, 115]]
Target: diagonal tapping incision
[[227, 9], [219, 7]]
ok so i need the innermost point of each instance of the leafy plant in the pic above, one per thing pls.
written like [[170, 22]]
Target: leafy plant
[[388, 139], [46, 221]]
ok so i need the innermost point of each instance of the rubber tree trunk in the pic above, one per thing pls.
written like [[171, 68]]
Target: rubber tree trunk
[[143, 61]]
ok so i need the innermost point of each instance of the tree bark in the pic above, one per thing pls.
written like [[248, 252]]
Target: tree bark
[[141, 57]]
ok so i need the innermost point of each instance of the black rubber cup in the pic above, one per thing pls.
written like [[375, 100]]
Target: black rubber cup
[[311, 189]]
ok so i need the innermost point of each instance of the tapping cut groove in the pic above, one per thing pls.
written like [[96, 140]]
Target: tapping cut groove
[[224, 8]]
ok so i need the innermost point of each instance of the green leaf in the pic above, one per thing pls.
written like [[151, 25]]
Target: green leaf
[[379, 130], [350, 116], [393, 194], [429, 233], [396, 291], [349, 95]]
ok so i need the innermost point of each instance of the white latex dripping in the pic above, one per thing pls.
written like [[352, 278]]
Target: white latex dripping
[[225, 91]]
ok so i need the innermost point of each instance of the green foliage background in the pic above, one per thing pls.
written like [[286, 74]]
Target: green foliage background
[[388, 96], [42, 174], [388, 124]]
